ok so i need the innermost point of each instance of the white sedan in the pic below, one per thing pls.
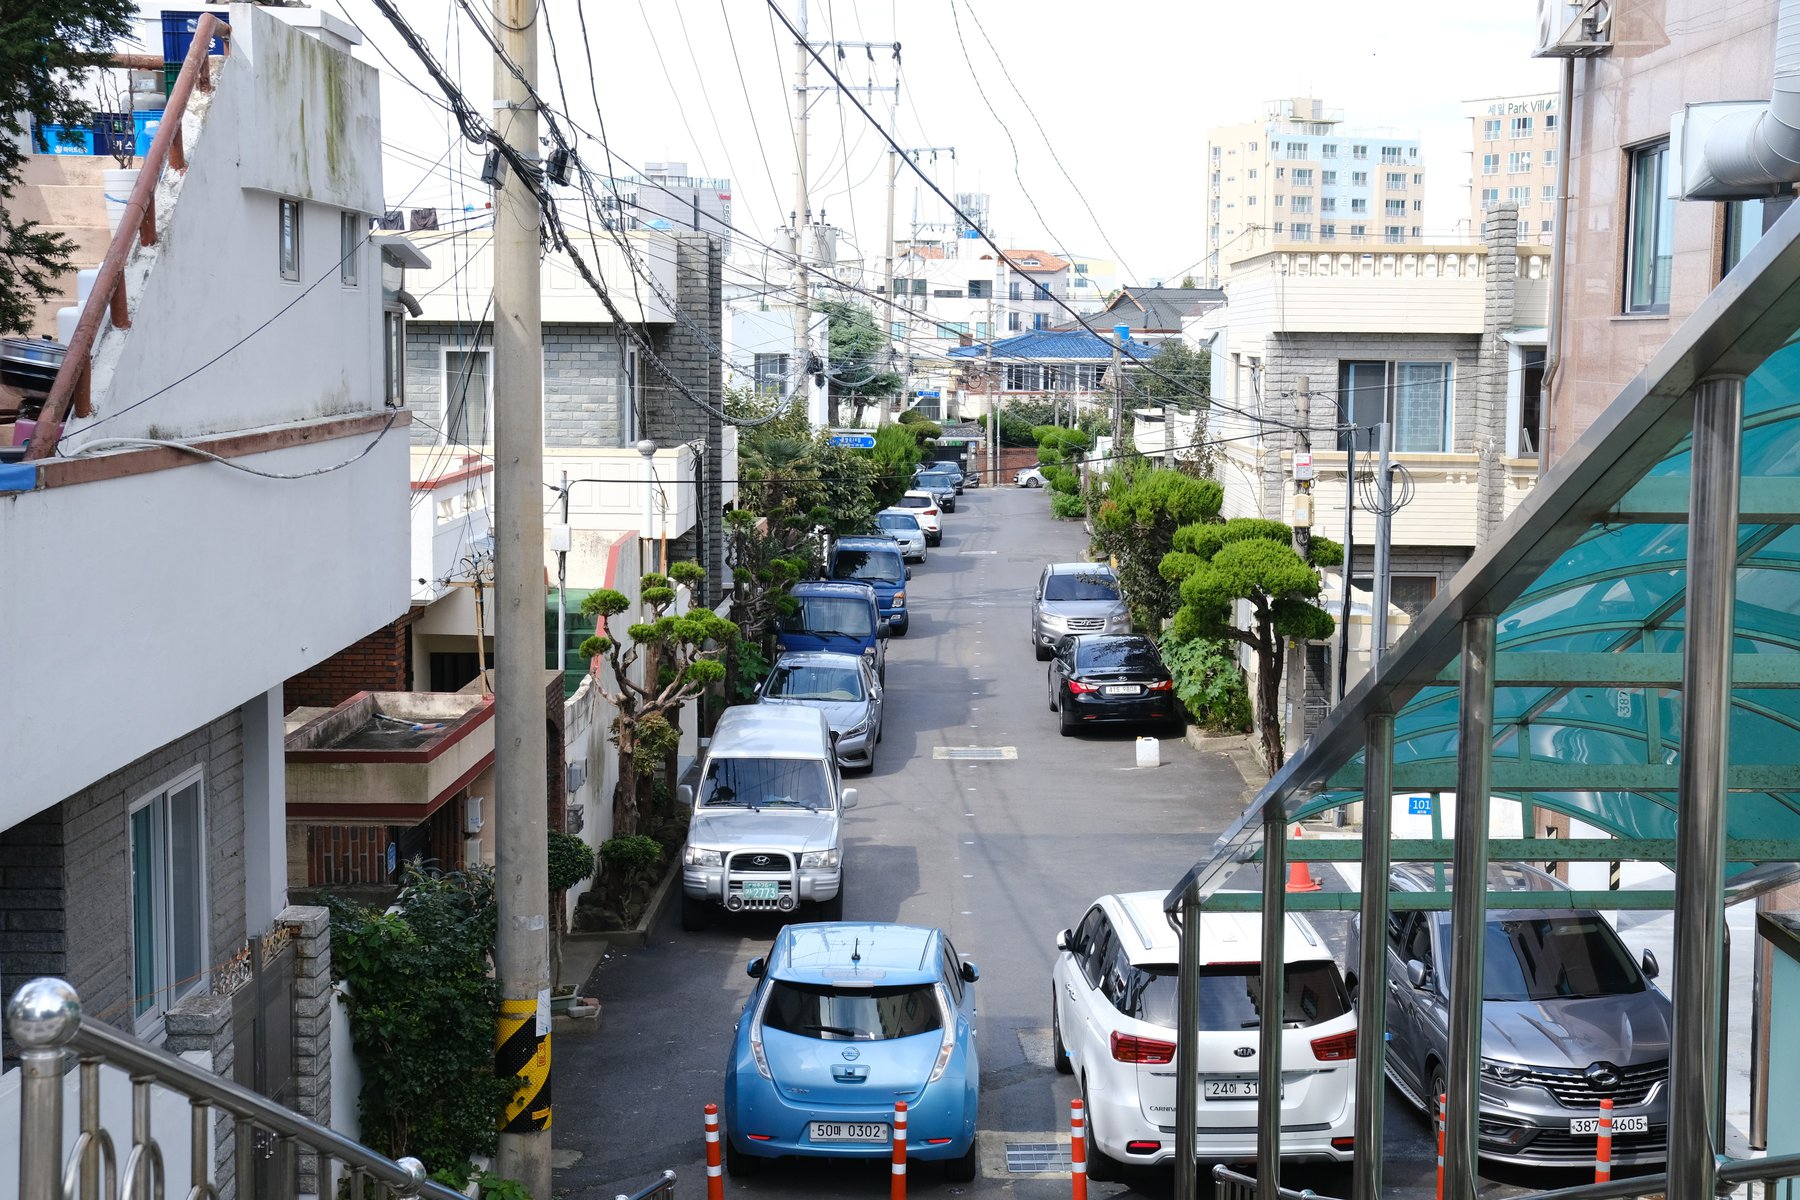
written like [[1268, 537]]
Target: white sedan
[[1030, 477]]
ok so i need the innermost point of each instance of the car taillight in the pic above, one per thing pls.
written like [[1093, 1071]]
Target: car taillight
[[1080, 688], [930, 512], [1339, 1047], [1127, 1048], [947, 1014], [1162, 685]]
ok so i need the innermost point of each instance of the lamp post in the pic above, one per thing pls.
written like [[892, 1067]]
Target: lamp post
[[647, 448]]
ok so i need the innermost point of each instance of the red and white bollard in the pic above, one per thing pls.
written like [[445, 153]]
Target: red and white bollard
[[1077, 1149], [715, 1181], [1603, 1150], [1443, 1116], [897, 1188]]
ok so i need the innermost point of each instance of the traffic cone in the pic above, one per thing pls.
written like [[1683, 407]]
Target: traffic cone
[[1299, 874]]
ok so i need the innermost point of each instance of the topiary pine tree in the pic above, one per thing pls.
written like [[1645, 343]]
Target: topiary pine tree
[[1215, 565]]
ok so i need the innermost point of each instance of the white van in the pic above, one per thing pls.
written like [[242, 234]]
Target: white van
[[764, 835]]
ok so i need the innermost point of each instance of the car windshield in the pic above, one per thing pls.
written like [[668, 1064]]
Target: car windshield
[[1553, 958], [843, 615], [1082, 585], [905, 522], [935, 479], [1117, 655], [834, 1014], [1230, 995], [815, 683], [874, 566], [765, 783], [916, 502]]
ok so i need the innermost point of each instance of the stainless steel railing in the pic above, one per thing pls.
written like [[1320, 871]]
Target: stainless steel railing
[[662, 1189], [45, 1019], [1235, 1185], [1771, 1178]]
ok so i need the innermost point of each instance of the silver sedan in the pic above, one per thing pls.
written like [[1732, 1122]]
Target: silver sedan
[[842, 686]]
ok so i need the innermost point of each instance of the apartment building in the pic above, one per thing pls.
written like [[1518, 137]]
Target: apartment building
[[1514, 144], [1299, 174]]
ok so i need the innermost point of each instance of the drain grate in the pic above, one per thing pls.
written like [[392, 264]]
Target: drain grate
[[979, 753], [1037, 1158]]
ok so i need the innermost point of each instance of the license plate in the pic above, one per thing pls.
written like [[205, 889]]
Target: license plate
[[1228, 1089], [848, 1131], [1120, 689], [768, 890], [1591, 1125]]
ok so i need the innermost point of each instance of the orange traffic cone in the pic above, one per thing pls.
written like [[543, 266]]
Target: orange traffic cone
[[1299, 875]]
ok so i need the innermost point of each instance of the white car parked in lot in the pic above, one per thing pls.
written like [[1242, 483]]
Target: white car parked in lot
[[1030, 477], [924, 505], [1113, 1021]]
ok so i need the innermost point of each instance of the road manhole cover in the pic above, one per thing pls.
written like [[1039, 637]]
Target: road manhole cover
[[980, 753], [1037, 1158]]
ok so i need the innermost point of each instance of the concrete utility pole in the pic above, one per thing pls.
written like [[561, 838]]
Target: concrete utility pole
[[521, 851], [1120, 333], [1384, 537], [802, 220], [888, 291], [1302, 519], [1348, 432]]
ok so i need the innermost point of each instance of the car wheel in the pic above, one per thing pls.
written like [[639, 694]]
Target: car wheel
[[962, 1170], [1101, 1166], [1034, 483], [1175, 728], [1059, 1053], [694, 913], [738, 1163], [1042, 651], [899, 630], [1050, 681], [1064, 725], [1436, 1075], [833, 909]]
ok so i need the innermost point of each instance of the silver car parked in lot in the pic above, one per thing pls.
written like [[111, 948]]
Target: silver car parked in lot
[[1075, 597], [1569, 1019], [843, 687]]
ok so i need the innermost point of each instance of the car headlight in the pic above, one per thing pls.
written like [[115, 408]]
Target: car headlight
[[899, 599], [819, 860], [860, 727], [1507, 1073], [697, 856]]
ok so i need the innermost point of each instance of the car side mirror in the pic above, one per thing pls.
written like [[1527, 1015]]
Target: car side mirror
[[754, 969], [849, 798], [1064, 938], [757, 687], [1350, 982], [909, 572], [685, 795], [884, 630], [970, 972], [1648, 965], [1416, 973]]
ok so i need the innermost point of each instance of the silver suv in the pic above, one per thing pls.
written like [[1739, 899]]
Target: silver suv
[[1078, 597], [1568, 1020]]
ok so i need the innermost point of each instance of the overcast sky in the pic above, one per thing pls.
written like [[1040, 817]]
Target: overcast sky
[[1124, 94]]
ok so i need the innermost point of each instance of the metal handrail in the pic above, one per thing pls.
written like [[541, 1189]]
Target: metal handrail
[[70, 389], [662, 1189], [45, 1019], [1235, 1185], [1767, 1171]]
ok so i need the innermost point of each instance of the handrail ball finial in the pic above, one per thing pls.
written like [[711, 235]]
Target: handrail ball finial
[[43, 1014]]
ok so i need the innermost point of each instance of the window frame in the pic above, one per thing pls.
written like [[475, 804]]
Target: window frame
[[289, 219], [1655, 300], [350, 249], [153, 998], [1390, 396], [444, 418]]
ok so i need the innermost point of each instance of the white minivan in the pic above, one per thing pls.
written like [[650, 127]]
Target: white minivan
[[765, 833], [1113, 1025]]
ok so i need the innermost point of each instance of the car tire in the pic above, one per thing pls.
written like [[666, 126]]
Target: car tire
[[1059, 1053], [1064, 726], [1050, 695], [1101, 1166], [900, 629], [694, 914], [1042, 651], [934, 540], [1435, 1073], [739, 1164], [1175, 728], [1033, 483], [964, 1169], [833, 909]]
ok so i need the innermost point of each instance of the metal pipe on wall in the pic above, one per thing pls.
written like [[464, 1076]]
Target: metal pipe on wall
[[1700, 829], [1468, 903], [1372, 968]]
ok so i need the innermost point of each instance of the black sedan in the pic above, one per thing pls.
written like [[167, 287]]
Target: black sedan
[[1108, 678]]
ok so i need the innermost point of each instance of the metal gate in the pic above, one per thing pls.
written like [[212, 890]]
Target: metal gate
[[262, 1033]]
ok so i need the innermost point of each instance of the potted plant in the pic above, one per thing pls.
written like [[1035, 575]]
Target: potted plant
[[571, 861]]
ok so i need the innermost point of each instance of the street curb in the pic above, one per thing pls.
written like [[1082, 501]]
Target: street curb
[[1238, 748], [638, 936]]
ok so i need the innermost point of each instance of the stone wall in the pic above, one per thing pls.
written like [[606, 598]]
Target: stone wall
[[311, 928]]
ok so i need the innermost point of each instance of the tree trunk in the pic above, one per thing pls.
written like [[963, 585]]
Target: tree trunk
[[625, 791], [1268, 692]]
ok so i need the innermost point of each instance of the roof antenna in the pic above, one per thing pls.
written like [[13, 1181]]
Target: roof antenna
[[856, 951]]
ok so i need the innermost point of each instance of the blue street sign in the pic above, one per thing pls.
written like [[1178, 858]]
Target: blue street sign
[[856, 441], [1418, 806]]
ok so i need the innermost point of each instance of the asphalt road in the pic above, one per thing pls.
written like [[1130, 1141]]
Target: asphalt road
[[999, 854]]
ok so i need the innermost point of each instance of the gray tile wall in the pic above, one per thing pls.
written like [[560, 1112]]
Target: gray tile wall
[[584, 383]]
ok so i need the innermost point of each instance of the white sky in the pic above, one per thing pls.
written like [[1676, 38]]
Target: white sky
[[1125, 93]]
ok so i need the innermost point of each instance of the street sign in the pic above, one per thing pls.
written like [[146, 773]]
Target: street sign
[[856, 441], [1418, 806]]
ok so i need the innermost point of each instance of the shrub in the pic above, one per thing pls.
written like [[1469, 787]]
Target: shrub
[[1207, 682], [571, 860], [1065, 507]]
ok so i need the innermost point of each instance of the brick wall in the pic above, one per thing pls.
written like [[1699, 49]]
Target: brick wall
[[346, 854], [32, 919], [381, 662]]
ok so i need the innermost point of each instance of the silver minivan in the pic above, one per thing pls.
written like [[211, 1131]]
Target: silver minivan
[[765, 836]]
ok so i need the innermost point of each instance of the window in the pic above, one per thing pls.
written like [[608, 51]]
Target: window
[[350, 244], [1414, 397], [1296, 149], [1490, 164], [952, 329], [1359, 179], [1649, 231], [1490, 129], [1301, 232], [1518, 195], [1253, 172], [772, 369], [393, 334], [1521, 127], [1358, 205], [1328, 150], [1548, 193], [1518, 162], [1327, 232], [1549, 122], [1279, 228], [1013, 324], [1303, 176], [1490, 197], [947, 293], [1281, 172], [1081, 268], [1525, 403], [1524, 229], [1390, 154], [168, 898], [1250, 201], [468, 389], [1040, 320], [1396, 180], [1359, 231], [1395, 235], [1396, 208], [1359, 151], [1328, 178], [1745, 221], [1418, 178], [1252, 147], [1301, 205], [981, 289], [1280, 200], [1015, 290], [1550, 158], [1026, 377], [918, 287], [1417, 232], [289, 237], [983, 330], [1328, 204], [897, 329]]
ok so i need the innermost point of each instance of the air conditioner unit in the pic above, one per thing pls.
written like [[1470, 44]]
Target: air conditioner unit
[[574, 775], [1573, 28], [472, 851], [472, 814]]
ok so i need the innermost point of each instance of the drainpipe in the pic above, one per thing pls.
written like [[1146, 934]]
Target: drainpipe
[[1753, 146], [1559, 250]]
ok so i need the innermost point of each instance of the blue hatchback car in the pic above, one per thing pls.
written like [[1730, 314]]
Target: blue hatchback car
[[877, 562], [846, 1018]]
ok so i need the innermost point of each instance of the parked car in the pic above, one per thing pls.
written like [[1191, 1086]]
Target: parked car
[[1030, 477], [841, 617], [876, 561], [903, 526], [1075, 597], [1098, 679], [1568, 1019], [941, 486], [924, 505], [842, 686], [765, 836], [950, 467], [1113, 1018], [844, 1020], [972, 478]]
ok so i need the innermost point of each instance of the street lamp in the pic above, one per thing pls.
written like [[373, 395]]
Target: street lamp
[[647, 448]]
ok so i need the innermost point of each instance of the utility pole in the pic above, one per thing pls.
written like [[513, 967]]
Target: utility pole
[[1120, 333], [521, 852], [1303, 469], [562, 583], [893, 184], [802, 221], [1348, 432], [1384, 537]]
